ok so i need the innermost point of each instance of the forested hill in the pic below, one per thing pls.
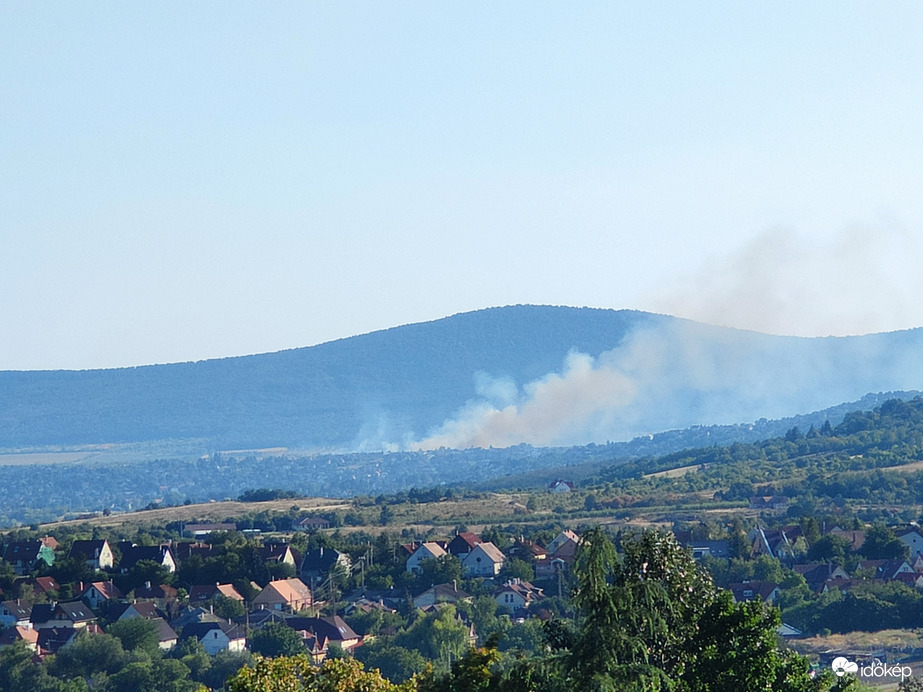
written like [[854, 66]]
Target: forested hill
[[448, 380]]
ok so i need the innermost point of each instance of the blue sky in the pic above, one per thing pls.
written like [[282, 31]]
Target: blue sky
[[191, 180]]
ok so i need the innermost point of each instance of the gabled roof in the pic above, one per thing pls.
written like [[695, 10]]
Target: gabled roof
[[201, 629], [51, 639], [87, 549], [142, 609], [204, 593], [524, 588], [332, 628], [448, 593], [321, 560], [260, 618], [107, 589], [185, 550], [131, 555], [165, 633], [432, 548], [17, 609], [463, 542], [752, 590], [192, 615], [275, 552], [158, 591], [284, 590], [75, 611], [18, 633], [46, 584], [492, 552], [22, 551]]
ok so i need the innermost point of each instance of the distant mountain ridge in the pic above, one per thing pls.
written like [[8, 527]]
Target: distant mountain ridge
[[495, 376]]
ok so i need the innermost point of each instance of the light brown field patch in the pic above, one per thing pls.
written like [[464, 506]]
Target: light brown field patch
[[676, 473], [210, 512], [42, 458]]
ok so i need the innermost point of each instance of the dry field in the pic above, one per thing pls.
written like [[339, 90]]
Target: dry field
[[208, 512], [675, 473], [35, 458]]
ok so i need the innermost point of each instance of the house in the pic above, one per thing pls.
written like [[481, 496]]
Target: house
[[133, 554], [258, 619], [484, 560], [311, 524], [560, 554], [189, 616], [26, 556], [217, 636], [72, 614], [441, 593], [702, 549], [517, 594], [560, 486], [365, 605], [166, 635], [885, 569], [317, 564], [426, 551], [19, 633], [462, 544], [914, 580], [565, 538], [15, 614], [161, 594], [325, 631], [855, 538], [143, 609], [913, 540], [526, 550], [96, 554], [51, 639], [818, 575], [185, 550], [199, 594], [284, 594], [788, 631], [780, 542], [277, 552], [98, 593], [43, 586], [765, 591]]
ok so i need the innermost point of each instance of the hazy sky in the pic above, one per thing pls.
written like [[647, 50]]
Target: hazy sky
[[181, 181]]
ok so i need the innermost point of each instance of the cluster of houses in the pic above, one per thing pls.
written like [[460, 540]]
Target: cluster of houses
[[46, 624], [483, 559], [788, 544]]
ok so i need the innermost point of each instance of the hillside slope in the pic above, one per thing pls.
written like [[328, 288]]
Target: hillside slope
[[490, 377]]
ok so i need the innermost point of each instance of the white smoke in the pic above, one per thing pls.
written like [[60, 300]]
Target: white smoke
[[554, 408], [676, 374], [861, 281]]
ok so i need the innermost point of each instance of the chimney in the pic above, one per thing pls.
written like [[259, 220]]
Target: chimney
[[147, 585]]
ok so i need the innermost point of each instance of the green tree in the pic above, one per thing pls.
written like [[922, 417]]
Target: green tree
[[297, 674], [882, 544], [394, 662], [276, 639], [136, 634], [87, 655]]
